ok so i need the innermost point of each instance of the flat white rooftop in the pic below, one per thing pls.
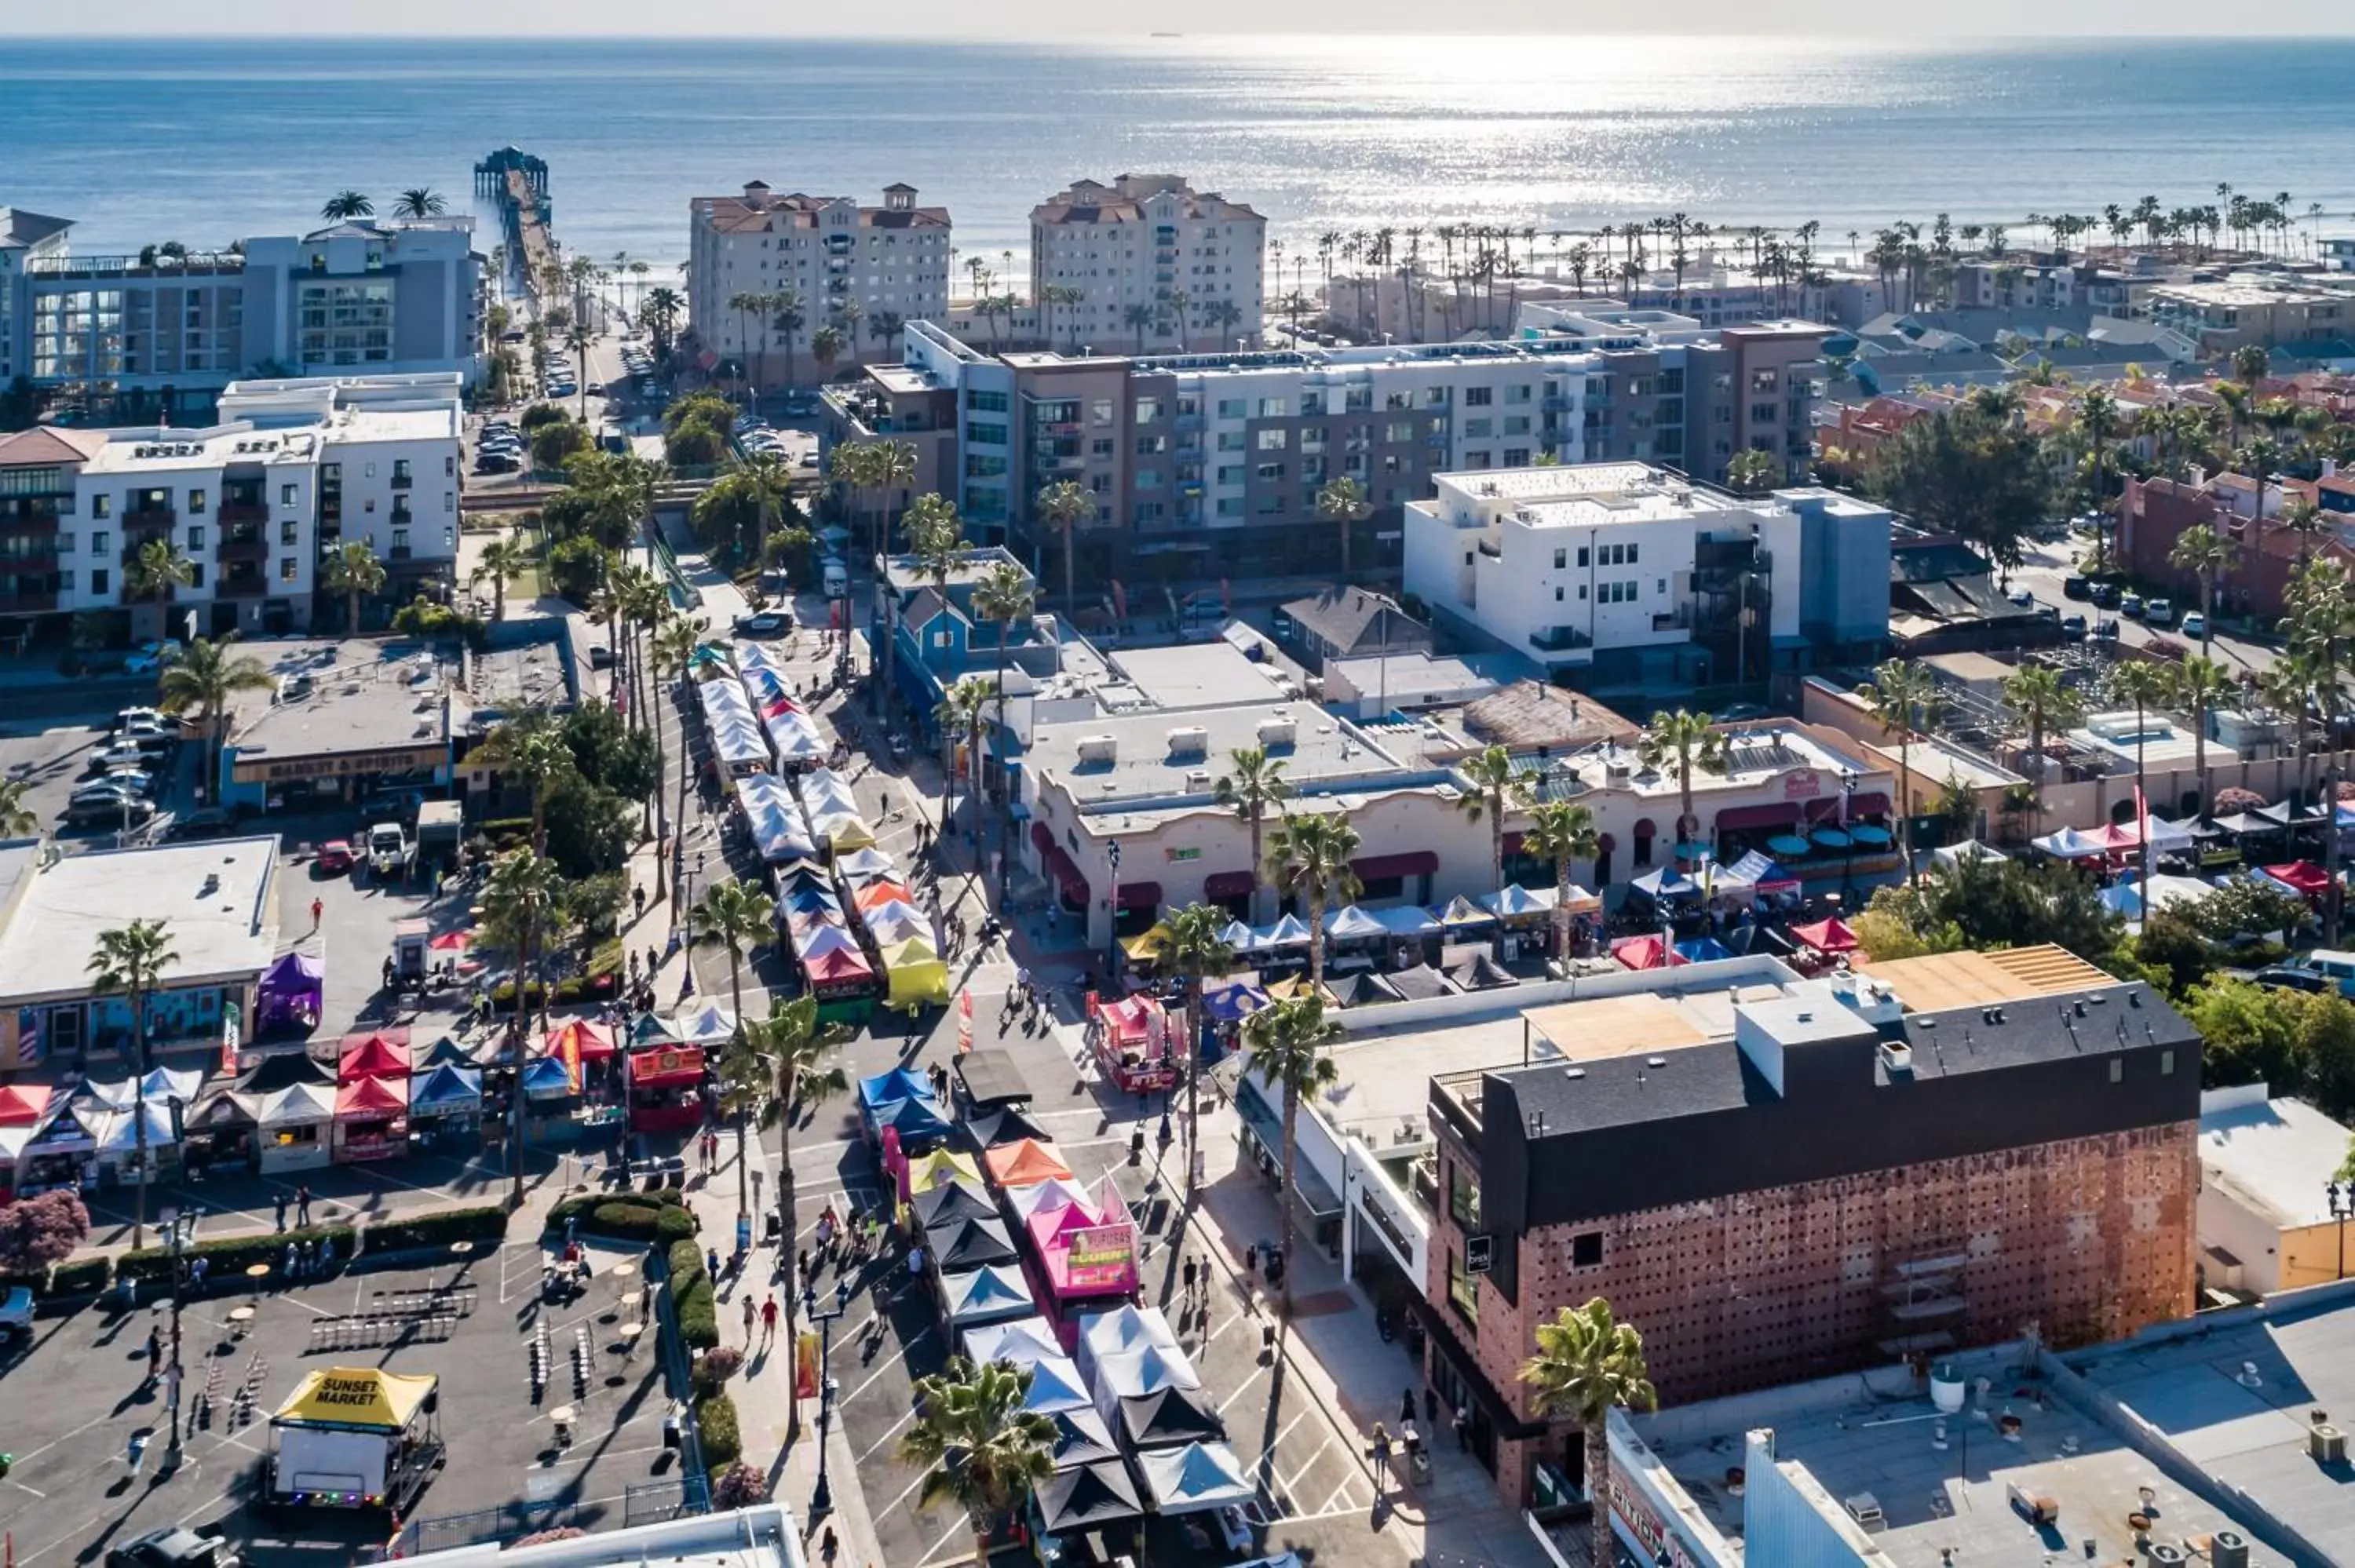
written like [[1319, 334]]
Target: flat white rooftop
[[216, 898], [2274, 1155]]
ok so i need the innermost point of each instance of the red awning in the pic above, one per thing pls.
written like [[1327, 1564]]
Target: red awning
[[1780, 814], [1512, 843], [1646, 829], [1826, 935], [1139, 896], [1228, 884], [1064, 870], [1414, 862], [1040, 839], [1607, 843], [1873, 805]]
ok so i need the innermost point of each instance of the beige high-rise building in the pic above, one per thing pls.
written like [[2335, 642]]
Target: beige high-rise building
[[1148, 264], [868, 269]]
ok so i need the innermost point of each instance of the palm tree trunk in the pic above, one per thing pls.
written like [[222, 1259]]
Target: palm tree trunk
[[1316, 941], [1598, 1490], [1561, 911], [1257, 826], [736, 998], [2200, 756], [515, 1087], [1291, 1154], [1070, 548], [788, 1200], [139, 1111], [1905, 802], [2142, 809]]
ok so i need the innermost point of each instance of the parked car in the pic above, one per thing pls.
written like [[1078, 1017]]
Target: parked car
[[390, 849], [150, 657], [171, 1547], [2131, 607], [763, 623], [498, 462], [2020, 595], [334, 857], [108, 810], [2103, 594], [2106, 628], [2075, 588], [2158, 612], [809, 460], [17, 1311], [2072, 627], [122, 753], [2291, 977], [600, 656], [2195, 624]]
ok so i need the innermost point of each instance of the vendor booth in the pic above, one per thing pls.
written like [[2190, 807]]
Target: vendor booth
[[1024, 1165], [1134, 1043], [988, 1079], [934, 1168], [353, 1437], [1126, 1328], [1087, 1511], [1085, 1253], [1170, 1418], [445, 1105], [773, 820], [1045, 1197], [23, 1104], [948, 1204], [918, 1124], [293, 1129], [1024, 1342], [283, 1070], [1200, 1478], [62, 1150], [382, 1054], [121, 1147], [1008, 1126], [371, 1118], [548, 1087], [969, 1243], [218, 1133], [665, 1085], [292, 994], [1082, 1438], [1056, 1386], [710, 1024], [998, 1294], [914, 973], [444, 1051]]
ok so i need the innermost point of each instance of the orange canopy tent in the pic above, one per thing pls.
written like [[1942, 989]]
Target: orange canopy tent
[[1024, 1163], [377, 1055], [372, 1096], [876, 894], [595, 1046], [22, 1103], [1826, 935]]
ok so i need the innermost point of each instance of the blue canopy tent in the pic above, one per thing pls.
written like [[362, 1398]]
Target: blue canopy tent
[[918, 1122], [899, 1083], [1702, 949], [546, 1078], [1666, 881]]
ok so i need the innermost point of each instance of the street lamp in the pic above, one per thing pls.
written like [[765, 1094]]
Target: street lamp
[[2342, 1209], [1112, 929], [1847, 855], [176, 1237], [822, 1498]]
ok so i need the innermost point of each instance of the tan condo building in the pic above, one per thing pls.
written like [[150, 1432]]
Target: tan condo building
[[1148, 264]]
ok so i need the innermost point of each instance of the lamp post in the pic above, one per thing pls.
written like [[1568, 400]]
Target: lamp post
[[176, 1240], [2342, 1209], [822, 1497], [1112, 910], [1847, 855]]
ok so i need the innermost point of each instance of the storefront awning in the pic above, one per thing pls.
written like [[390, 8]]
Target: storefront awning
[[1780, 814], [1414, 862], [1228, 884], [1139, 896]]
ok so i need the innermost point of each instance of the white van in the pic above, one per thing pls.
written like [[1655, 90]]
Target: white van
[[2334, 965]]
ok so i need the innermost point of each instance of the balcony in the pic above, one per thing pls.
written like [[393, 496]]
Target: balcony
[[243, 585], [1559, 638], [233, 511], [399, 553], [250, 545], [1047, 462], [152, 521], [402, 480]]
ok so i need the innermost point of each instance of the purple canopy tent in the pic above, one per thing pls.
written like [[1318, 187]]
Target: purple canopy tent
[[291, 992]]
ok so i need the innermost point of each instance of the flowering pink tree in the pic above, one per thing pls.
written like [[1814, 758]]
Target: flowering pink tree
[[39, 1232]]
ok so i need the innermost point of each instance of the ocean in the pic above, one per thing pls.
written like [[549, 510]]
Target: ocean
[[200, 141]]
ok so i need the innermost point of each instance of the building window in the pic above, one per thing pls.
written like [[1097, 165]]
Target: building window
[[101, 506], [1272, 441], [286, 495], [98, 581], [1586, 1250], [1274, 407], [2118, 1069], [1100, 447], [100, 540], [1147, 410], [1100, 411], [196, 540], [1231, 407], [986, 402], [1463, 1196], [1463, 1292], [288, 571], [1232, 442], [1479, 397]]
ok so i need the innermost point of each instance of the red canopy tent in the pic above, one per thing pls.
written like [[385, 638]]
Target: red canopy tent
[[384, 1054], [371, 1118], [449, 941], [876, 894], [595, 1046], [1830, 936], [22, 1103], [2302, 876], [836, 967], [1647, 952]]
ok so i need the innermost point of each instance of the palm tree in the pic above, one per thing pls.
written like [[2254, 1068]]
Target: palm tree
[[659, 314], [501, 562], [1560, 832], [1753, 473], [962, 711], [1681, 742], [346, 205], [1193, 949], [788, 314], [1256, 784], [826, 344], [1899, 691], [1344, 501], [2262, 459], [2205, 554], [2302, 518], [420, 202], [520, 900], [156, 571], [797, 1052], [1285, 1041], [2040, 698], [759, 485], [1003, 597], [17, 820], [1137, 318], [1311, 857], [747, 302], [1063, 506], [740, 916], [353, 570], [2146, 684], [130, 961], [201, 681], [1495, 783], [884, 467], [982, 1450], [2097, 420], [2201, 684], [531, 748], [1588, 1364], [579, 337]]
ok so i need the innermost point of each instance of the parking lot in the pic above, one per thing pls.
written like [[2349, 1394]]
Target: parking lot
[[72, 1492]]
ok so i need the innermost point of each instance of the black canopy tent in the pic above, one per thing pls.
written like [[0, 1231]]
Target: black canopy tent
[[1170, 1418], [1082, 1438], [283, 1070], [991, 1079], [950, 1201], [1011, 1125], [1089, 1497], [958, 1245]]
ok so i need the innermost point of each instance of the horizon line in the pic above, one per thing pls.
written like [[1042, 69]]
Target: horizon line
[[1849, 37]]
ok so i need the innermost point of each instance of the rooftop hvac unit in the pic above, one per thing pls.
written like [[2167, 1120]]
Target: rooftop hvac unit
[[1277, 731], [1191, 740], [2164, 1554], [1898, 1058], [2326, 1444], [2228, 1548], [1098, 748], [1198, 783]]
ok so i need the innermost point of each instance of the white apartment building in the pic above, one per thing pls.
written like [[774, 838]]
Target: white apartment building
[[867, 270], [292, 471], [163, 334], [1627, 574], [1158, 266]]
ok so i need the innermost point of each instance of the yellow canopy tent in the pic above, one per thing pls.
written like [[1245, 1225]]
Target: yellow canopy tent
[[1146, 946], [916, 973], [927, 1172], [356, 1397]]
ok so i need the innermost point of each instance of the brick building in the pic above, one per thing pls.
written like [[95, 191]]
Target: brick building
[[2155, 513], [1937, 1155]]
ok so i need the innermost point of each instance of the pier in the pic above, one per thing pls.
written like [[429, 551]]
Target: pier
[[518, 182]]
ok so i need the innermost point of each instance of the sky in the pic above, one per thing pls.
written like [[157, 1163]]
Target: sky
[[1051, 19]]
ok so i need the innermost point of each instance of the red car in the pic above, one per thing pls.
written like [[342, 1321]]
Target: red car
[[334, 857]]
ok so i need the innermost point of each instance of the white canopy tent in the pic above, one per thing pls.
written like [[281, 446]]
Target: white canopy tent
[[1024, 1342], [1196, 1478], [1952, 855], [1127, 1328]]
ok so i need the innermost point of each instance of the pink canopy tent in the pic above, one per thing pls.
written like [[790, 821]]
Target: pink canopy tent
[[1083, 1252], [1826, 935], [1645, 952]]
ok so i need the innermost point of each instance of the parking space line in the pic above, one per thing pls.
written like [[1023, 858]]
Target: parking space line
[[1291, 1483], [889, 1433], [954, 1531], [885, 1364], [1241, 1389]]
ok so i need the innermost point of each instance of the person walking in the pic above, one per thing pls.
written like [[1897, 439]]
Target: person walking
[[1406, 1409], [750, 1311], [769, 1321], [1189, 1279], [282, 1212], [303, 1207], [1462, 1429], [318, 909]]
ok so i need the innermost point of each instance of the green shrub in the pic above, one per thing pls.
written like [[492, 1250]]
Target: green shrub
[[233, 1255], [488, 1223], [36, 1280], [540, 414], [723, 1442], [715, 1366], [569, 992], [675, 1225], [82, 1277]]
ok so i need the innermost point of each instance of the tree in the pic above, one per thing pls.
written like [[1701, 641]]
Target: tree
[[353, 570], [2202, 685], [201, 681], [1137, 318], [1310, 856], [1285, 1043], [826, 344], [1679, 743], [672, 652], [2098, 420], [501, 562], [420, 202], [1968, 472], [739, 916], [521, 898], [2146, 684], [38, 1232], [1064, 506], [1560, 832], [798, 1057], [1193, 949], [1753, 473], [131, 961], [2041, 699], [2206, 555], [981, 1449], [960, 714], [16, 820], [1344, 501], [1254, 784], [531, 749], [1003, 597], [788, 314], [555, 441], [1495, 783], [156, 571], [758, 487], [1588, 1364], [660, 313], [2262, 459], [345, 205], [1899, 691]]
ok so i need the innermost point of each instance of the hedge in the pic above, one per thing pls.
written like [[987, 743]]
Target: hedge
[[634, 1216], [233, 1255], [35, 1280], [691, 1298], [723, 1442], [565, 993], [81, 1277], [486, 1223]]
